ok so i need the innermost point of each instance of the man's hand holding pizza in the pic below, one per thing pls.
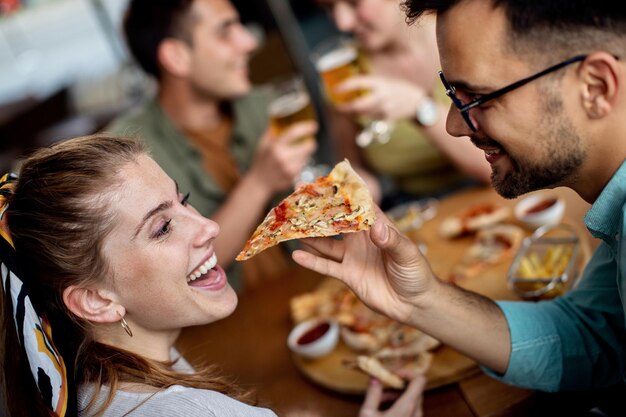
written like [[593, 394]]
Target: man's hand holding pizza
[[388, 273], [382, 266]]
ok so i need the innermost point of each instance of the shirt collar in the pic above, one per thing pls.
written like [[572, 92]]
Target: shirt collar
[[605, 216]]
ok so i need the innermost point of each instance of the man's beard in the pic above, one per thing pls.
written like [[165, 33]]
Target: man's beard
[[558, 156]]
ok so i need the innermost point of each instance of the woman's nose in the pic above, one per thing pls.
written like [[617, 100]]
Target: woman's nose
[[206, 229]]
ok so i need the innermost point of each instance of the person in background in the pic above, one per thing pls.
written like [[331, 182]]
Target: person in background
[[207, 127], [401, 62], [540, 88], [101, 249]]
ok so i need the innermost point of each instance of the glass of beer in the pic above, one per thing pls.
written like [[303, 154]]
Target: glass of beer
[[289, 104], [337, 59]]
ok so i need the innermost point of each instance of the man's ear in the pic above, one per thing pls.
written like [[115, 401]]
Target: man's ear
[[174, 57], [600, 75], [96, 305]]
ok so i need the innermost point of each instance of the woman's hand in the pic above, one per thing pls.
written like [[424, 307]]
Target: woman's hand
[[387, 98], [383, 267], [409, 404]]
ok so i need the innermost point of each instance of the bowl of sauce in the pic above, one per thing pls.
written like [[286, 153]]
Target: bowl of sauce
[[540, 210], [314, 338]]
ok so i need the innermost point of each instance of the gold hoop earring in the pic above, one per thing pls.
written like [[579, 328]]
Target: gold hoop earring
[[125, 325]]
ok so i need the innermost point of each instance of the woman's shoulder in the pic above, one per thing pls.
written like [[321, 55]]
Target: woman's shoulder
[[175, 401]]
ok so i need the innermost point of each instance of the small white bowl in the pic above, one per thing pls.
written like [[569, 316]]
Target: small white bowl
[[550, 215], [320, 346]]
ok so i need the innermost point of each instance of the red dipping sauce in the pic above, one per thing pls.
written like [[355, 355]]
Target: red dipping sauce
[[540, 206], [313, 334]]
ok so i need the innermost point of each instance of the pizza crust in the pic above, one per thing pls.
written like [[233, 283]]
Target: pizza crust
[[474, 219], [491, 246], [373, 367], [387, 370]]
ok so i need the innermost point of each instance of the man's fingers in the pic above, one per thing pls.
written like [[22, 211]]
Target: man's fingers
[[372, 399], [327, 247], [388, 238], [316, 263]]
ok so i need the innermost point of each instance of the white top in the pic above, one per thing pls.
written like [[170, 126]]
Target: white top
[[174, 401]]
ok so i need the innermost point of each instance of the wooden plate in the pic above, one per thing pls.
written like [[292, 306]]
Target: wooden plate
[[448, 365]]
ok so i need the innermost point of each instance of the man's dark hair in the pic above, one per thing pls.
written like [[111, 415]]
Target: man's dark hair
[[570, 26], [148, 22]]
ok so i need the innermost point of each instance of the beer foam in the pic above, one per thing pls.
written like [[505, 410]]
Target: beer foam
[[288, 104], [336, 59]]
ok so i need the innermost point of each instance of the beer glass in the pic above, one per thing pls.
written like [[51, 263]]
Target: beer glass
[[289, 104], [336, 60]]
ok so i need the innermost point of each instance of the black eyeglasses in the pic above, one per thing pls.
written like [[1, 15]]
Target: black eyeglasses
[[465, 108]]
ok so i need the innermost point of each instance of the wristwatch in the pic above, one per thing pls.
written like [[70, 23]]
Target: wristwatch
[[427, 112]]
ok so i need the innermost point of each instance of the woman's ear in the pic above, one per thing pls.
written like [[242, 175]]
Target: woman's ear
[[174, 57], [96, 305]]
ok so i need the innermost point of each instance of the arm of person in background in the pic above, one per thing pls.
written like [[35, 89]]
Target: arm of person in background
[[387, 271], [394, 99], [276, 164], [344, 131]]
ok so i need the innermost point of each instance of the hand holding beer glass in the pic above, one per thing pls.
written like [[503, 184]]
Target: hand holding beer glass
[[290, 104], [336, 60]]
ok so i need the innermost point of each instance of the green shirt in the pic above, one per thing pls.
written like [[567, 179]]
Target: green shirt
[[179, 158]]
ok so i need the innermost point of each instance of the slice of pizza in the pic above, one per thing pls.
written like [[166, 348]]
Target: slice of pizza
[[337, 203], [477, 217], [491, 246]]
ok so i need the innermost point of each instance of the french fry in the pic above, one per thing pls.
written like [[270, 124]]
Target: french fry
[[553, 264], [526, 269]]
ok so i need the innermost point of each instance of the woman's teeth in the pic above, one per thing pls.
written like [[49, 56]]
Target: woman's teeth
[[203, 269], [492, 152]]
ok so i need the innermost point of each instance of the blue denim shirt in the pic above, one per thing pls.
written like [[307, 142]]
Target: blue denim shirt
[[578, 341]]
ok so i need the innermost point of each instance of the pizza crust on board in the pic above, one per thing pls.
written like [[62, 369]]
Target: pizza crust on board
[[386, 370], [474, 219], [491, 246]]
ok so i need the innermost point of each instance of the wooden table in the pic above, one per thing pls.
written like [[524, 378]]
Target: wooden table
[[251, 346]]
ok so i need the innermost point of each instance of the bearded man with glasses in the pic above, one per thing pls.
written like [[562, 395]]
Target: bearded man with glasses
[[540, 88]]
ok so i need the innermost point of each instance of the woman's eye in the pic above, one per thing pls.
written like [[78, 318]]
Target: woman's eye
[[185, 200], [163, 230]]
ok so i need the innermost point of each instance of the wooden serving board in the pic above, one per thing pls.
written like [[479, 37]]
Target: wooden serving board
[[448, 365]]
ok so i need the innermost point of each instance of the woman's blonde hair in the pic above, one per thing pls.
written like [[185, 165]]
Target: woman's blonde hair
[[59, 215]]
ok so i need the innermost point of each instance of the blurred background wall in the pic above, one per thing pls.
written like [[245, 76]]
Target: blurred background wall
[[65, 71]]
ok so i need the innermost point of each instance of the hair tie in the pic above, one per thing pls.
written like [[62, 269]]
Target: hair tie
[[33, 330]]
